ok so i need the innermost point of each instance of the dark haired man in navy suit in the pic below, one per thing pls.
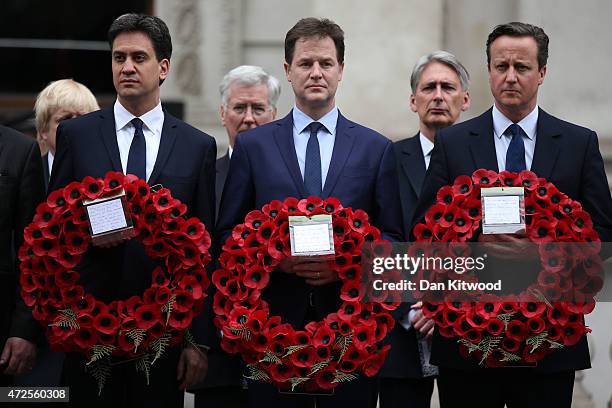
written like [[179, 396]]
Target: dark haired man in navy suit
[[313, 151], [515, 135], [137, 136]]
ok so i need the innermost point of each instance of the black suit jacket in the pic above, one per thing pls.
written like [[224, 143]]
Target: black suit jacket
[[87, 146], [21, 190], [403, 360], [565, 154], [222, 167], [45, 168]]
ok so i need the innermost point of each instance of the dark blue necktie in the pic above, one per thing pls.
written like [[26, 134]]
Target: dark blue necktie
[[515, 155], [312, 168], [137, 159]]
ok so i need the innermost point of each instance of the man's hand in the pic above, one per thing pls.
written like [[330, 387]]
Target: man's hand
[[316, 272], [422, 324], [509, 246], [19, 356], [192, 367]]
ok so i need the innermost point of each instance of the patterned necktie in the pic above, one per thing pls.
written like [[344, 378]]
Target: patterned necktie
[[137, 158], [515, 155], [312, 168]]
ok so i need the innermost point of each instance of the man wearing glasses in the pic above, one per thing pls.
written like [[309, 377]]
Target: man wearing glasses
[[248, 100]]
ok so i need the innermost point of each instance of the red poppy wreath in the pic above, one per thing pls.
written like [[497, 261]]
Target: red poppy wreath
[[500, 332], [326, 352], [140, 327]]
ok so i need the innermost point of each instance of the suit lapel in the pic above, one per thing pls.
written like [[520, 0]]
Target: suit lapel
[[283, 136], [413, 163], [482, 144], [546, 148], [108, 133], [342, 149], [168, 137]]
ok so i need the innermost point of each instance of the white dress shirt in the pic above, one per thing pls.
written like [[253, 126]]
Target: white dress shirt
[[529, 125], [50, 157], [326, 137], [427, 147], [153, 123]]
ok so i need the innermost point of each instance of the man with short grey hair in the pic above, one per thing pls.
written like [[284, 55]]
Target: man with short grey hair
[[439, 85], [248, 99]]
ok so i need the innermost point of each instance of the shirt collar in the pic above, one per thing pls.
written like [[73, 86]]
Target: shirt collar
[[426, 144], [529, 123], [329, 120], [153, 119]]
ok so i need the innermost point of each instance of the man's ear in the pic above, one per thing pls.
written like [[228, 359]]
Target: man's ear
[[164, 66], [287, 70], [542, 72], [413, 106], [466, 101]]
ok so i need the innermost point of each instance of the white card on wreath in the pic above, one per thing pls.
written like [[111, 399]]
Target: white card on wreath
[[311, 236], [503, 210]]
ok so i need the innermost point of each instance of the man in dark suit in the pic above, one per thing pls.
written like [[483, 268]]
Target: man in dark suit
[[439, 85], [565, 154], [21, 190], [313, 151], [248, 99], [136, 136]]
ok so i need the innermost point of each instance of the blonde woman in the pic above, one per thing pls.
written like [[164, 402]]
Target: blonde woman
[[60, 100]]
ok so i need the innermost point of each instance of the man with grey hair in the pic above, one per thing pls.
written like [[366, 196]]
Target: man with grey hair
[[248, 99], [439, 85]]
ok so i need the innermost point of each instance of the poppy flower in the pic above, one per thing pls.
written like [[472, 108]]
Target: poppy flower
[[582, 221], [325, 377], [190, 284], [359, 221], [475, 320], [371, 234], [113, 181], [445, 195], [350, 291], [180, 320], [56, 199], [375, 362], [487, 307], [517, 330], [448, 217], [73, 193], [330, 205], [162, 200], [542, 231], [363, 336], [528, 179], [147, 315], [105, 322], [341, 228], [92, 188], [76, 243], [85, 338], [304, 357], [509, 179], [536, 324], [510, 344], [485, 178], [423, 233], [532, 309], [495, 327], [256, 277], [473, 207], [309, 205], [254, 219], [183, 300], [462, 187], [554, 333], [290, 205]]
